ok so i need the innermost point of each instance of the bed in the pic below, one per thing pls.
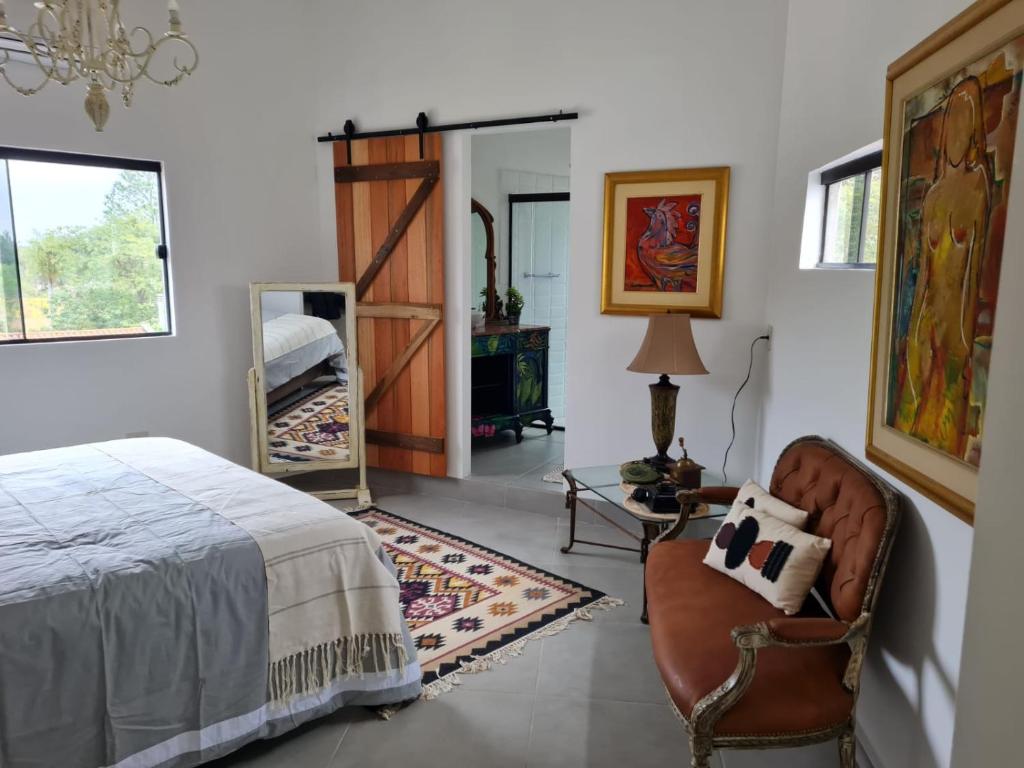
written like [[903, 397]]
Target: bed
[[297, 349], [160, 607]]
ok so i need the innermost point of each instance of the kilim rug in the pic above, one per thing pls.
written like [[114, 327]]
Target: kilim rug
[[555, 475], [468, 606], [316, 427]]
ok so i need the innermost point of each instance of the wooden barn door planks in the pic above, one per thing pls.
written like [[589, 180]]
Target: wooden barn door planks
[[390, 218]]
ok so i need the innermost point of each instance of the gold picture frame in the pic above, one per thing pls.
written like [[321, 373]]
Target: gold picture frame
[[950, 131], [660, 253]]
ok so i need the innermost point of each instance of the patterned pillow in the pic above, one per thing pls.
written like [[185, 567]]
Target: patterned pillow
[[773, 558], [756, 497]]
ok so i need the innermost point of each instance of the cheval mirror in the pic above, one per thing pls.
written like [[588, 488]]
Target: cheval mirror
[[305, 387], [485, 262]]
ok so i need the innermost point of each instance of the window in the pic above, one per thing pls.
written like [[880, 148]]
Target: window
[[850, 224], [82, 251]]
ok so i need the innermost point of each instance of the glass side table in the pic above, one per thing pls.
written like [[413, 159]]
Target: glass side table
[[606, 484]]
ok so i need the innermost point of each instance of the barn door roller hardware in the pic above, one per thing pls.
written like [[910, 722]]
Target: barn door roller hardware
[[423, 126]]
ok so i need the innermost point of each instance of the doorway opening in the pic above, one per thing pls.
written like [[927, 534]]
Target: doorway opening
[[520, 278]]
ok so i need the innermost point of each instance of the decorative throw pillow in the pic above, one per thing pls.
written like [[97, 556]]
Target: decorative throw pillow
[[756, 497], [773, 558]]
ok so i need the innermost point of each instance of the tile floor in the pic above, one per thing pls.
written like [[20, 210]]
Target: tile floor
[[589, 696], [499, 460]]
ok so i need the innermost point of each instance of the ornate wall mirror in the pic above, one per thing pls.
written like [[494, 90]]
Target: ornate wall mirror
[[485, 261], [306, 391]]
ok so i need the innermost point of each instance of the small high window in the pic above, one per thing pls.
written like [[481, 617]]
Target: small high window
[[82, 252], [852, 203]]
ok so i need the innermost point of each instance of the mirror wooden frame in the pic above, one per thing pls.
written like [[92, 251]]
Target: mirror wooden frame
[[478, 208], [258, 396]]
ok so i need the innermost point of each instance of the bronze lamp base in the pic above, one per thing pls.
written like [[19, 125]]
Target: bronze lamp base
[[663, 421]]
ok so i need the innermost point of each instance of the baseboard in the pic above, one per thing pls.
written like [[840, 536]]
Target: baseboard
[[547, 502]]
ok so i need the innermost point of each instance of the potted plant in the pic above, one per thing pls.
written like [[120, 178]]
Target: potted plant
[[514, 304]]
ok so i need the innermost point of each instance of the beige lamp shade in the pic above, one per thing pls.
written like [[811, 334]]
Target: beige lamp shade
[[668, 348]]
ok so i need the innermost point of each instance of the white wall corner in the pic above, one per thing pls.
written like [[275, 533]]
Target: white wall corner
[[458, 238]]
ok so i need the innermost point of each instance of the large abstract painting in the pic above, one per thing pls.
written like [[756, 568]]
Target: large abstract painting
[[664, 248], [951, 130]]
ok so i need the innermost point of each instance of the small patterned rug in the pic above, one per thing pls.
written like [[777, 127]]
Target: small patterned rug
[[555, 475], [468, 606], [316, 427]]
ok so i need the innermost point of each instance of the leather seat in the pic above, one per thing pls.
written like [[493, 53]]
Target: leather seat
[[693, 610]]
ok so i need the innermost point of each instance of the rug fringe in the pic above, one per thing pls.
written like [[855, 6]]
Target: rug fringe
[[483, 663]]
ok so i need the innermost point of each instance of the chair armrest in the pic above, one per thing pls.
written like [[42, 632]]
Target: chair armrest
[[712, 494], [808, 631], [689, 498], [794, 633]]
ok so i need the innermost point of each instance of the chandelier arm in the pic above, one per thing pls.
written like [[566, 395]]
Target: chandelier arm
[[47, 45], [123, 63], [182, 70], [148, 39], [23, 90], [39, 43]]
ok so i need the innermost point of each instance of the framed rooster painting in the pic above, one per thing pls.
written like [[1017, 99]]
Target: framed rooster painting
[[664, 241]]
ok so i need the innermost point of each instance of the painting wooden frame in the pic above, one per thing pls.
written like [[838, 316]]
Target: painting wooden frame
[[950, 134], [677, 263]]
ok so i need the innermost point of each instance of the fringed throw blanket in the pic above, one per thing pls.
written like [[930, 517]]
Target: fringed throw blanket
[[330, 601], [160, 607]]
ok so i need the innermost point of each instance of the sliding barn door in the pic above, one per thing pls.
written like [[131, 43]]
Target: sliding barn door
[[390, 213]]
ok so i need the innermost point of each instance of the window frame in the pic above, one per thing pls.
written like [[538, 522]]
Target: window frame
[[859, 166], [95, 161]]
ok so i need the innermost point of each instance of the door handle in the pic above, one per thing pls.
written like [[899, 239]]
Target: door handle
[[548, 276]]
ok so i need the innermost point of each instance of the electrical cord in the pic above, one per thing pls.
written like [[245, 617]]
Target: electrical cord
[[732, 418]]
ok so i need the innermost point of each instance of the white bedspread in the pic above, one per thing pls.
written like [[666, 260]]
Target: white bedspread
[[287, 333]]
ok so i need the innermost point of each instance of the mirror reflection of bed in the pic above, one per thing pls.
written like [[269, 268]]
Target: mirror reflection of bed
[[305, 376]]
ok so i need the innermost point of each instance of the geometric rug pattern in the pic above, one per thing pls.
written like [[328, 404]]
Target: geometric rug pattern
[[316, 427], [464, 602]]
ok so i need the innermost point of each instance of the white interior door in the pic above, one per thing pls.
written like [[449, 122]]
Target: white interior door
[[539, 269]]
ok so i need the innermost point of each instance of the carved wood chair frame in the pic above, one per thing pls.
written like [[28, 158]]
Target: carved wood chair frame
[[750, 639]]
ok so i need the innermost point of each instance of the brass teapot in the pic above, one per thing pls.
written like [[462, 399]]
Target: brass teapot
[[685, 473]]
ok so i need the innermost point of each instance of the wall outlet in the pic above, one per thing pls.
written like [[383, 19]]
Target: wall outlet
[[137, 434]]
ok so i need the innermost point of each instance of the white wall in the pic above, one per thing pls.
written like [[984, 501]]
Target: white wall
[[239, 155], [832, 104], [678, 85], [250, 195]]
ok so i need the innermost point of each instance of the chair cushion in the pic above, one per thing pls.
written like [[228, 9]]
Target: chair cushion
[[693, 610], [756, 497]]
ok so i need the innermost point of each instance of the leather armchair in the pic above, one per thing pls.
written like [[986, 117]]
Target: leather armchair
[[739, 673]]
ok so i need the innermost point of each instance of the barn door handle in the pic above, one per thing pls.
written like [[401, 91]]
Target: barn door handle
[[549, 275]]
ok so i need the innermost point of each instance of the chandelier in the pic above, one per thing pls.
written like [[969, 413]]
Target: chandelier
[[86, 40]]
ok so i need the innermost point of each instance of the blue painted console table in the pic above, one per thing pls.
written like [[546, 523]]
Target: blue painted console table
[[509, 379]]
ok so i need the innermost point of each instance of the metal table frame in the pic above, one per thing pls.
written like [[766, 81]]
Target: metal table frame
[[651, 529]]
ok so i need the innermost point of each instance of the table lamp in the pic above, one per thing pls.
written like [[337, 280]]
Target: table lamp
[[667, 349]]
